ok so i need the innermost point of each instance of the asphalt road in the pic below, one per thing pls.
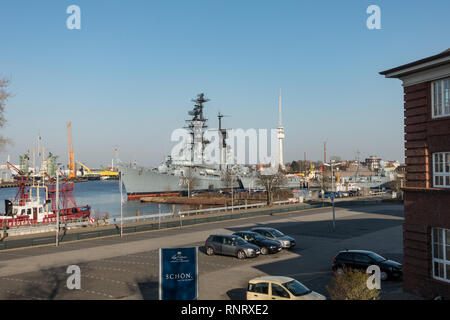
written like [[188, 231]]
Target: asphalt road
[[127, 268]]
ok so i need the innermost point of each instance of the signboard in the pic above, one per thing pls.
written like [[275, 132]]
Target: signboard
[[178, 274]]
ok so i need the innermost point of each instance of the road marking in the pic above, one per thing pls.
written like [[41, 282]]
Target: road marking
[[20, 295], [113, 269], [128, 262], [47, 282]]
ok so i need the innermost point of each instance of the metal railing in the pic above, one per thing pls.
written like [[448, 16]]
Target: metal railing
[[232, 208], [52, 227], [42, 228], [154, 216]]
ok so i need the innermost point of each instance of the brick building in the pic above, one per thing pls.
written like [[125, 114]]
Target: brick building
[[426, 230]]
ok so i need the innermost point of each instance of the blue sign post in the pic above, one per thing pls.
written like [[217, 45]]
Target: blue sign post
[[178, 274]]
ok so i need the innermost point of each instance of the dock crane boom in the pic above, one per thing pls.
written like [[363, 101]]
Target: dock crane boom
[[72, 169], [84, 166]]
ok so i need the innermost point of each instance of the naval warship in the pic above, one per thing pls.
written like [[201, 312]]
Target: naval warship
[[178, 177]]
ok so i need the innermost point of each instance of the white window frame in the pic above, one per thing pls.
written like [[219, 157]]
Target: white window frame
[[443, 114], [445, 260], [445, 174]]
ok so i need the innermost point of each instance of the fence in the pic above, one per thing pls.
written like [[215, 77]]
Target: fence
[[232, 208]]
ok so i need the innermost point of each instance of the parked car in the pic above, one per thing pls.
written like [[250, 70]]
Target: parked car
[[328, 194], [230, 245], [274, 234], [267, 246], [362, 259], [280, 288], [343, 194]]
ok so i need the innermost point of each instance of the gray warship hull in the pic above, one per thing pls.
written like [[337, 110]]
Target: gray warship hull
[[142, 182]]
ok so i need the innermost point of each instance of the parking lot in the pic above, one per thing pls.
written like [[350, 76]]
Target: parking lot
[[114, 268]]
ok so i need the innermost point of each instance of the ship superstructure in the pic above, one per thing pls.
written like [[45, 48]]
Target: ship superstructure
[[187, 172], [190, 169]]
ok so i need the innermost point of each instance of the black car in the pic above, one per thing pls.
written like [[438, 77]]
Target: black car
[[362, 259], [266, 245], [353, 193], [276, 235]]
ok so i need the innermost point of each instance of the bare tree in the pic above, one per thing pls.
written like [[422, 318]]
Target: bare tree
[[190, 181], [270, 181], [4, 96], [227, 178], [326, 178]]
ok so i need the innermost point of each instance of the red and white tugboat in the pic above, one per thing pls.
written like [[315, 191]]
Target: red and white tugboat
[[37, 204]]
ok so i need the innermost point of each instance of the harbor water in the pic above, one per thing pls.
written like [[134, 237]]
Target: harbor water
[[103, 197]]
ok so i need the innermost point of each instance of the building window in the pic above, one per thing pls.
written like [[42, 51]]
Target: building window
[[440, 97], [441, 254], [441, 169]]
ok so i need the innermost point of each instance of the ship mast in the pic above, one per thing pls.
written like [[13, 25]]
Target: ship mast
[[196, 126], [280, 134], [222, 142]]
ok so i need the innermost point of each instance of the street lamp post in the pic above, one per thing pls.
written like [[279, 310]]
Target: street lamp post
[[334, 215], [57, 207], [159, 215], [331, 165], [121, 204], [189, 188], [232, 193]]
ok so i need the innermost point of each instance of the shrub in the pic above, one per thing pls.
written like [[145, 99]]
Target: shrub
[[351, 285]]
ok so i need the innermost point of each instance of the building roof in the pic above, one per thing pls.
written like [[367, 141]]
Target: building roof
[[437, 60]]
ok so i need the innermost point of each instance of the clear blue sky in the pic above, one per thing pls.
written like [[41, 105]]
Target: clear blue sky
[[126, 78]]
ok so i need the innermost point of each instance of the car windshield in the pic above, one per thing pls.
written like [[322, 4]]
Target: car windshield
[[258, 237], [296, 288], [277, 233], [376, 257], [239, 241]]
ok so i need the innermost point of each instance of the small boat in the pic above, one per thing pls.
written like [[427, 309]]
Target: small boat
[[36, 204]]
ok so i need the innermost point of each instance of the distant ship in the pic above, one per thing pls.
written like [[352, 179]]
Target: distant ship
[[175, 177]]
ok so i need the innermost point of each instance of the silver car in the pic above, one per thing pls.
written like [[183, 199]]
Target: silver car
[[230, 245], [274, 234]]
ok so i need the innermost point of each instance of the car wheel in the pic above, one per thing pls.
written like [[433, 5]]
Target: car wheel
[[209, 251], [264, 250], [241, 254], [383, 276]]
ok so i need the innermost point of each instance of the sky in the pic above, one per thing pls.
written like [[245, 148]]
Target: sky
[[126, 78]]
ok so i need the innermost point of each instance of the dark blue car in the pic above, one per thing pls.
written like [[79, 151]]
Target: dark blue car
[[328, 194]]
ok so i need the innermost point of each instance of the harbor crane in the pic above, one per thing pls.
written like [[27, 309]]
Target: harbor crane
[[72, 168], [87, 169]]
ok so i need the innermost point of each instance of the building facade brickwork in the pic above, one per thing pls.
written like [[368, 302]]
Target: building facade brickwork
[[426, 207]]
